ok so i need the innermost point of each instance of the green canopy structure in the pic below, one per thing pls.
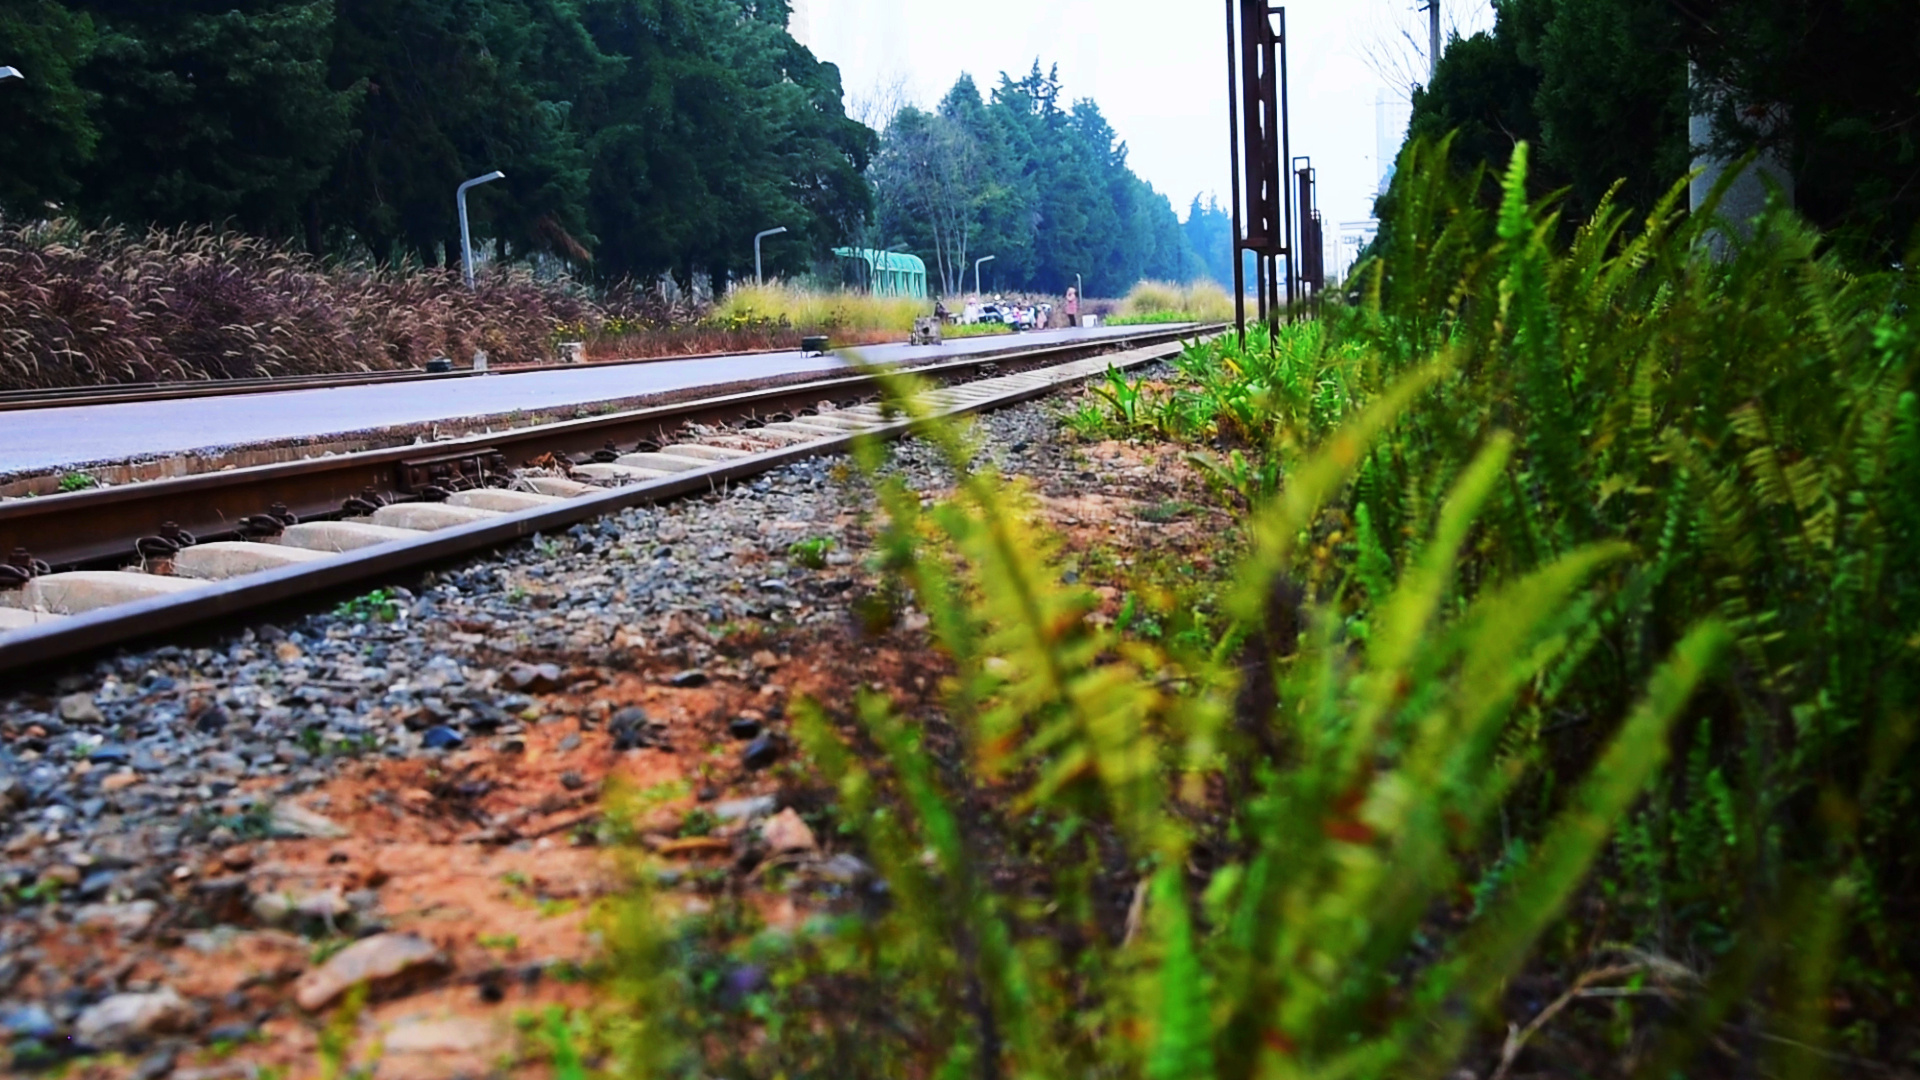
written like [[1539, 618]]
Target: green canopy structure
[[889, 273]]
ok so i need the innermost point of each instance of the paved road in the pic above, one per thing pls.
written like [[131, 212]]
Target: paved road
[[90, 434]]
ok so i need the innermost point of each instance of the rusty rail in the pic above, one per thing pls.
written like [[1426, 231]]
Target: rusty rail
[[68, 638], [94, 526]]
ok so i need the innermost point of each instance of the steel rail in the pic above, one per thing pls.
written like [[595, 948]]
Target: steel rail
[[88, 527], [67, 638]]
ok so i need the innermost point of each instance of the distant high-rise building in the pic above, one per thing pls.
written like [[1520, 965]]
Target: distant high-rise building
[[1389, 128]]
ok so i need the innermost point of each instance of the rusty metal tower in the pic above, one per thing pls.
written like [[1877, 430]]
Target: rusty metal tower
[[1263, 200]]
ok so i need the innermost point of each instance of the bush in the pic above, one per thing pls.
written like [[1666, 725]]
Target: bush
[[800, 308], [1539, 520], [1161, 301], [84, 307], [1749, 427]]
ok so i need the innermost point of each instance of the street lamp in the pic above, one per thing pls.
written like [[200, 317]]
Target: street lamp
[[976, 271], [10, 73], [758, 277], [466, 237]]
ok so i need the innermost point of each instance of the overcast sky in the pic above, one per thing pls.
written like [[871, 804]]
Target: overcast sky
[[1156, 67]]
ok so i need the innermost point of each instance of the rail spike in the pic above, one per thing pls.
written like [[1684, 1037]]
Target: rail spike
[[20, 568], [166, 544]]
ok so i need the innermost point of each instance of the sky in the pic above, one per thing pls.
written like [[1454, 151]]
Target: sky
[[1157, 68]]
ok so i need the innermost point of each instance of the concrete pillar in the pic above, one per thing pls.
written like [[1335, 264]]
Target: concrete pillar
[[1746, 197]]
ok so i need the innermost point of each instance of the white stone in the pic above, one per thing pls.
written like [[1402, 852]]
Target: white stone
[[127, 1018], [785, 834]]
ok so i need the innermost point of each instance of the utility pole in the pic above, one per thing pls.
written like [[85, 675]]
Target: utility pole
[[1433, 41], [466, 236]]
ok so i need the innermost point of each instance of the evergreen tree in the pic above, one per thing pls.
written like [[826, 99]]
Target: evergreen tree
[[1209, 234], [211, 111], [1046, 190], [637, 136], [47, 130], [1600, 87], [1835, 85]]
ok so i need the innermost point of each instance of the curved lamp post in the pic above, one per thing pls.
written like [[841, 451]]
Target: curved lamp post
[[976, 271], [466, 237], [758, 277]]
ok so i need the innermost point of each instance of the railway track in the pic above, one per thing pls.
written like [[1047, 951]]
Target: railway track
[[101, 568]]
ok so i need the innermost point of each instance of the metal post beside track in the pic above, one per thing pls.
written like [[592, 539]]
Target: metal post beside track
[[1258, 111], [466, 236]]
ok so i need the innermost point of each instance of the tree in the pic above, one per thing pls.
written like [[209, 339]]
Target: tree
[[1832, 84], [637, 136], [1047, 191], [47, 132], [1600, 87], [935, 177], [214, 111], [453, 89], [1209, 235]]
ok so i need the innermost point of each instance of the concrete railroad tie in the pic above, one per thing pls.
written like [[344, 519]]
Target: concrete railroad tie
[[57, 596]]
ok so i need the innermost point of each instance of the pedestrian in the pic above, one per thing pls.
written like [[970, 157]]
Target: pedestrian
[[1073, 306]]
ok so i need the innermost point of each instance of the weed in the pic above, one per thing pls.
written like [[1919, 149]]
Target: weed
[[326, 949], [811, 552], [500, 942], [119, 305], [1521, 522], [43, 890], [77, 481], [376, 606], [563, 1036], [975, 330], [1160, 302], [336, 1038], [698, 821], [1161, 513], [792, 306], [1088, 422]]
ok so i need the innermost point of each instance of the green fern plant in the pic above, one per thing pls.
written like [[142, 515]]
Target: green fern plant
[[1352, 831]]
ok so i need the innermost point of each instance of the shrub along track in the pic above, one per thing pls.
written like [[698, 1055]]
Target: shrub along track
[[287, 530], [201, 839]]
